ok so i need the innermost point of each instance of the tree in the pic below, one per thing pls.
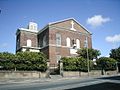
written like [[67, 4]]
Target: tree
[[92, 53], [106, 63], [115, 53]]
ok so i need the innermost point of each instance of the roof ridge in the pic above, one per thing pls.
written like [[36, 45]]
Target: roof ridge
[[60, 21]]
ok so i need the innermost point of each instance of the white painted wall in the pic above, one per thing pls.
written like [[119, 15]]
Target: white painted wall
[[34, 50], [73, 51], [33, 26], [23, 49]]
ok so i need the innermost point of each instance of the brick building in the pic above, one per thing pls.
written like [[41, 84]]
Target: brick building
[[56, 40]]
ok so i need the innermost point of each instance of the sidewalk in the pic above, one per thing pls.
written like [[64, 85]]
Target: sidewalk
[[35, 80], [24, 80], [42, 80]]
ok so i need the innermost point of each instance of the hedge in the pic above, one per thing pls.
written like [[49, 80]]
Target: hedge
[[75, 64]]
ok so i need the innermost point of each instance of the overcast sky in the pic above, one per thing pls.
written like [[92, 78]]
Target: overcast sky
[[100, 17]]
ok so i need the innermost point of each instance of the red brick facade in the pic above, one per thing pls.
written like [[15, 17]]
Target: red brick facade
[[46, 39]]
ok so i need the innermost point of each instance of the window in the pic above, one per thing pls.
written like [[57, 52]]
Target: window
[[44, 41], [68, 42], [31, 27], [74, 44], [35, 27], [77, 43], [29, 43], [58, 39], [58, 57], [18, 43]]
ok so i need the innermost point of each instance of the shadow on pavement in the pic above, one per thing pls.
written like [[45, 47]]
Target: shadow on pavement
[[101, 86], [111, 78]]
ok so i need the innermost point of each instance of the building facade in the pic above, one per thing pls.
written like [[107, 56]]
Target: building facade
[[56, 40]]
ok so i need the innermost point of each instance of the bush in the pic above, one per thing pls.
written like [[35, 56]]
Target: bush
[[75, 64], [106, 63], [23, 61], [6, 61]]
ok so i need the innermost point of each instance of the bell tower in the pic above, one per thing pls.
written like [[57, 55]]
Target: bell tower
[[26, 38], [32, 26]]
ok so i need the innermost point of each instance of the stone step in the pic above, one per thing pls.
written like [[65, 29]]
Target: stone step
[[55, 76]]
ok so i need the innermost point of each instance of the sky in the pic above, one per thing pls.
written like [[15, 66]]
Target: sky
[[100, 17]]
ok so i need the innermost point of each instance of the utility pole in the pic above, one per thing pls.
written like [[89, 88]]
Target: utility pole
[[88, 61], [86, 41]]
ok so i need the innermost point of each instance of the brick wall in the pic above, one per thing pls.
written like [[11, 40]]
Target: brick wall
[[21, 74], [24, 36], [63, 50]]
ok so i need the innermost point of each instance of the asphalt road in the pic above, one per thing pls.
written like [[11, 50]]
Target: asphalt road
[[105, 83]]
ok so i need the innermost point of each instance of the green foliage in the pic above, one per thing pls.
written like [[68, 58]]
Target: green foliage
[[115, 53], [92, 53], [6, 60], [69, 64], [106, 63], [7, 56], [23, 61], [75, 64]]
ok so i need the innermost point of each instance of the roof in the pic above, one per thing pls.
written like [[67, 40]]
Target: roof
[[24, 29]]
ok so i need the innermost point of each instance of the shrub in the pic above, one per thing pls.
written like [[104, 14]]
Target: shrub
[[106, 63], [23, 61], [75, 64]]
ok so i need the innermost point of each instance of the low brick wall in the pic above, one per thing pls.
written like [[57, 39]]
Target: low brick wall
[[71, 74], [95, 73], [111, 72], [21, 74], [36, 74], [84, 74]]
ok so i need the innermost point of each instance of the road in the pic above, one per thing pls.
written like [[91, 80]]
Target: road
[[88, 83]]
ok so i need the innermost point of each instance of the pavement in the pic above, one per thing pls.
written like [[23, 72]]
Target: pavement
[[38, 80], [41, 80], [65, 83]]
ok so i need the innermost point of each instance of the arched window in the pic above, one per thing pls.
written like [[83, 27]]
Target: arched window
[[58, 39], [68, 42], [77, 43], [31, 27], [29, 43]]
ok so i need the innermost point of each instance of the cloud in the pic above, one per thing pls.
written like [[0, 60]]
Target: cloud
[[3, 45], [97, 20], [113, 39]]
